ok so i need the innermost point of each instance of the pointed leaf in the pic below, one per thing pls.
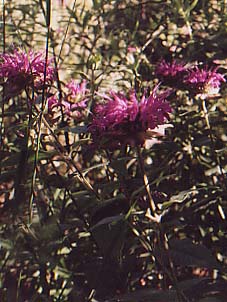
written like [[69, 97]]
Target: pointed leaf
[[186, 253]]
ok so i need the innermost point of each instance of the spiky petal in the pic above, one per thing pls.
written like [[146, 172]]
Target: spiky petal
[[170, 70], [74, 101], [204, 81], [126, 119], [20, 70]]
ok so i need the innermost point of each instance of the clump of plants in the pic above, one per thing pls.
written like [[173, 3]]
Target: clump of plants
[[112, 173]]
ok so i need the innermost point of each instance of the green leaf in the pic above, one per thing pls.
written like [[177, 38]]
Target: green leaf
[[119, 165], [179, 198], [6, 244], [42, 155], [147, 295], [109, 234], [58, 181], [84, 200], [186, 253]]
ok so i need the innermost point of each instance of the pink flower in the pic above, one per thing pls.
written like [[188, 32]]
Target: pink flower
[[199, 81], [154, 110], [21, 70], [204, 81], [125, 120], [170, 70], [75, 90], [73, 103], [115, 111]]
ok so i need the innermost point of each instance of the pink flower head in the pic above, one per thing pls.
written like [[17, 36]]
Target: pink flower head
[[125, 120], [170, 70], [76, 98], [74, 101], [204, 81], [76, 91], [154, 110], [21, 69], [116, 110]]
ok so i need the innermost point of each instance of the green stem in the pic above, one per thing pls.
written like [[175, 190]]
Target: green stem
[[146, 181], [163, 245]]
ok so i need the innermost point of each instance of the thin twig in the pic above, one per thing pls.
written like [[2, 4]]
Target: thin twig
[[146, 181]]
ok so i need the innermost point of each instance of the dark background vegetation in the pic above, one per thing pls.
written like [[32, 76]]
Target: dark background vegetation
[[72, 220]]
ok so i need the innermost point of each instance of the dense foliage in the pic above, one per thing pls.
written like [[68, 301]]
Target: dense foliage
[[113, 151]]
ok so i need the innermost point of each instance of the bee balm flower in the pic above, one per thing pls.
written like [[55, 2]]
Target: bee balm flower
[[125, 120], [170, 71], [21, 70], [73, 103], [204, 82]]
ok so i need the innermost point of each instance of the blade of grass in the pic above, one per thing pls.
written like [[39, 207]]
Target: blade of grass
[[3, 90], [66, 32], [44, 100]]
